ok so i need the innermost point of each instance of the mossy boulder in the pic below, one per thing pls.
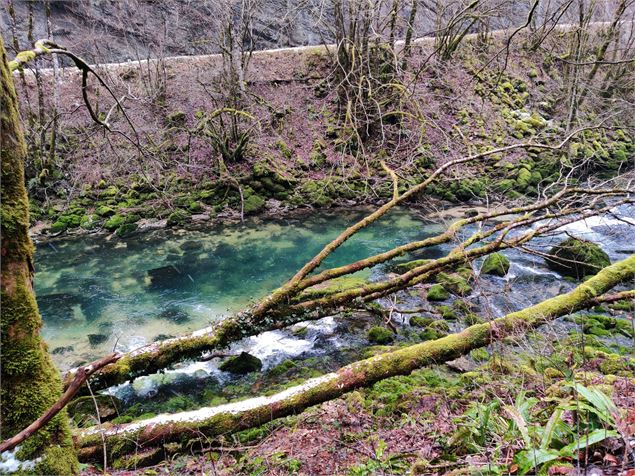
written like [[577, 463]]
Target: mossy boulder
[[241, 364], [577, 258], [420, 321], [178, 217], [495, 264], [437, 293], [105, 211], [126, 229], [253, 204], [114, 222], [380, 335], [455, 283]]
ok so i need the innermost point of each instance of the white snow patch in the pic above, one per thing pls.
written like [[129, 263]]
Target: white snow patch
[[10, 464], [208, 412]]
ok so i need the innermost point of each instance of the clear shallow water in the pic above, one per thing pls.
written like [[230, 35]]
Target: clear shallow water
[[128, 292]]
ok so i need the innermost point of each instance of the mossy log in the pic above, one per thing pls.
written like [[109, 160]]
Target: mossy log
[[215, 421], [30, 381]]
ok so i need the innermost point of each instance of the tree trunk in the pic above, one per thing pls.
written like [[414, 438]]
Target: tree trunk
[[30, 381], [215, 421]]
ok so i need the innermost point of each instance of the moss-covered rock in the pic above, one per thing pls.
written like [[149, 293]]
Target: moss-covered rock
[[380, 335], [577, 258], [496, 264], [420, 321], [105, 211], [455, 283], [114, 222], [241, 364], [126, 229], [253, 204], [178, 217], [437, 293]]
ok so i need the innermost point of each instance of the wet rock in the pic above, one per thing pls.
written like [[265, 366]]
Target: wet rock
[[437, 293], [577, 258], [241, 364], [96, 339], [191, 245], [58, 308], [455, 283], [165, 277], [162, 337], [380, 335], [495, 264]]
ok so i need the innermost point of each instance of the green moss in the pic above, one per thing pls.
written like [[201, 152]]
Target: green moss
[[437, 293], [447, 313], [337, 285], [104, 211], [30, 381], [496, 264], [480, 354], [454, 283], [380, 335], [114, 222], [317, 158], [523, 180], [623, 305], [178, 217], [109, 192], [253, 204], [126, 229], [241, 364], [89, 222], [410, 265], [282, 368], [577, 258], [420, 321]]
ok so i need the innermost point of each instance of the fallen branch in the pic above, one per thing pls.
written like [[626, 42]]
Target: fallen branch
[[81, 376], [215, 421]]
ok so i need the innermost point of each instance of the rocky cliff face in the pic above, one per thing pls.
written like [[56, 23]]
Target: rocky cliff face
[[114, 31]]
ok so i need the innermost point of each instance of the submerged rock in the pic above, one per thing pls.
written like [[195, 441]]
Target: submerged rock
[[241, 364], [164, 277], [62, 350], [96, 339], [577, 258], [495, 264], [175, 314]]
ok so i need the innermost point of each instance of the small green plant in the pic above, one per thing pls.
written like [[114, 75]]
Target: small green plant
[[557, 440], [381, 463], [554, 441]]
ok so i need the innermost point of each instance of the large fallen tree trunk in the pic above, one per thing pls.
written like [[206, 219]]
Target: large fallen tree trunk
[[228, 418], [155, 357]]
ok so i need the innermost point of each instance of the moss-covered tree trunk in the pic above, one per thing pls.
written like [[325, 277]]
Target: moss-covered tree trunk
[[30, 382]]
